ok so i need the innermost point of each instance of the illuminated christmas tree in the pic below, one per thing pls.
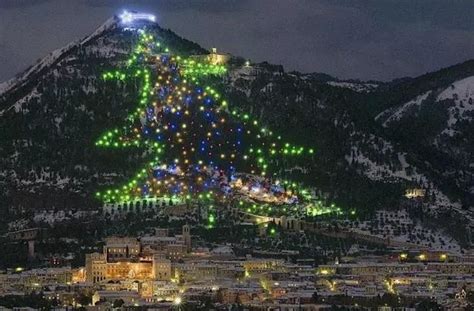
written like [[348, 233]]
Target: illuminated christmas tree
[[199, 145]]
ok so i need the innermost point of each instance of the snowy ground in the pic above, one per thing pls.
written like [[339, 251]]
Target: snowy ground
[[462, 93], [400, 169], [398, 112], [241, 79], [400, 227], [357, 87]]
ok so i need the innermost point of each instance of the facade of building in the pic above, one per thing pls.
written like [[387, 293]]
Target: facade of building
[[161, 268], [145, 259], [118, 248]]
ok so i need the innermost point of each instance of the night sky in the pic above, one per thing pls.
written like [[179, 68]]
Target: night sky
[[360, 39]]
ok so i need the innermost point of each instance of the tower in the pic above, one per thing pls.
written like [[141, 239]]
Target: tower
[[187, 237], [31, 249]]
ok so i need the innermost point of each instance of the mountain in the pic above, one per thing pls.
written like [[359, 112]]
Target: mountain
[[360, 162], [373, 140], [435, 125], [52, 113]]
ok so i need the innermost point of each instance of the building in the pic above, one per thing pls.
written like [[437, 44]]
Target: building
[[96, 267], [161, 268], [173, 247], [118, 248], [196, 270], [414, 193], [162, 232], [128, 297], [260, 265], [37, 278], [128, 258], [187, 237], [164, 290]]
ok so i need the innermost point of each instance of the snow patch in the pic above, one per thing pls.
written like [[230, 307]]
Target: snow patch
[[400, 111], [53, 57], [357, 87], [18, 106], [462, 94], [379, 172]]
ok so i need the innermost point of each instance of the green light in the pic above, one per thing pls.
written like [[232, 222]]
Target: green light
[[140, 73]]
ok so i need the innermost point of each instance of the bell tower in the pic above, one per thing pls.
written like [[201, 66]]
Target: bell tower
[[187, 237]]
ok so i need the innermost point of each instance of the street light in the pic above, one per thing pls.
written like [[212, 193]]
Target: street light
[[177, 302]]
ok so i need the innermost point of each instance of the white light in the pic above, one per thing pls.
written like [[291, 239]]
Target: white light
[[177, 301], [129, 17]]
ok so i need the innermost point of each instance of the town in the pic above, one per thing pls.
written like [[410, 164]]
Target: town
[[164, 270]]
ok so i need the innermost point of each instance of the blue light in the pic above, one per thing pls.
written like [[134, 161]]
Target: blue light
[[188, 100]]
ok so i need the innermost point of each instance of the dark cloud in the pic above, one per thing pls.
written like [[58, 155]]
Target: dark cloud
[[175, 5], [13, 4], [365, 39], [446, 14]]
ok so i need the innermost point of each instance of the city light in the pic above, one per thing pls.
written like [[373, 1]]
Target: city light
[[178, 300]]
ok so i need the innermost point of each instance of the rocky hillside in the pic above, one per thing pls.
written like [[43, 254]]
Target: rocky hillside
[[373, 140]]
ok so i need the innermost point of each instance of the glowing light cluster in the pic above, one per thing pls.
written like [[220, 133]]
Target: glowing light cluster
[[198, 144], [194, 69], [128, 17]]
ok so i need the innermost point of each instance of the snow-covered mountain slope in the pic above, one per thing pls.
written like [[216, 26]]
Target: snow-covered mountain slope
[[458, 99], [395, 114], [51, 115], [361, 87], [308, 109], [55, 57], [461, 94], [435, 127]]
